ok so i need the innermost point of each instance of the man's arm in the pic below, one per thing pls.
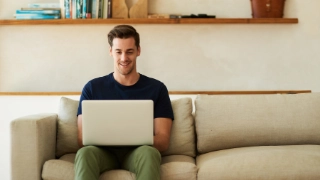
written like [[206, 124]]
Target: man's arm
[[162, 129], [80, 130]]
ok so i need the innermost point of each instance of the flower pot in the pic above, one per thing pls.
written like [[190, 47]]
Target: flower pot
[[267, 8]]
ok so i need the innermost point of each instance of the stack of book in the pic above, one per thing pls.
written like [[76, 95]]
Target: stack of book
[[85, 9], [39, 11]]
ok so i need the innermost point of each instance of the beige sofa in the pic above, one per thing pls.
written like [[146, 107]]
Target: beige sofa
[[228, 137]]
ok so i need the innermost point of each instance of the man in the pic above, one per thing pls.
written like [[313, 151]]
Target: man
[[126, 83]]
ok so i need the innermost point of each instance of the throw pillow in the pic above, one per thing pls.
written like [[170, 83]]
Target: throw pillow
[[67, 135]]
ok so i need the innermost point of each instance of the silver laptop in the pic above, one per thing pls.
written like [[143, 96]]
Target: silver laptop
[[117, 122]]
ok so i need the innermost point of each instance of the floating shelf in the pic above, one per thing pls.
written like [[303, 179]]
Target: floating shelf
[[153, 21], [170, 92]]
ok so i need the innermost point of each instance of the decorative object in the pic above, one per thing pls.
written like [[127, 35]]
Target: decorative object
[[119, 9], [267, 8], [139, 10]]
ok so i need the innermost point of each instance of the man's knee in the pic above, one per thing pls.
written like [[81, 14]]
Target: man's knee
[[87, 152], [149, 152]]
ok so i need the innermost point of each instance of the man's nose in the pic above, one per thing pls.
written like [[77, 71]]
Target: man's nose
[[123, 56]]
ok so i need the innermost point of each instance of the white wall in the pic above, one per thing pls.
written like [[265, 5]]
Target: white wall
[[184, 57]]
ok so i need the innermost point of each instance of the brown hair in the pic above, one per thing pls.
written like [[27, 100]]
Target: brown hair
[[123, 32]]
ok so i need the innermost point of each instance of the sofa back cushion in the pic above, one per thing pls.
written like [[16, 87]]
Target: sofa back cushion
[[231, 121], [67, 133], [182, 141]]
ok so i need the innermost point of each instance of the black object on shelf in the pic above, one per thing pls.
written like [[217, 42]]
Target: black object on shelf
[[198, 16]]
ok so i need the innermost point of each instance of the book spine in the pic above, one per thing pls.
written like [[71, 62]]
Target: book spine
[[37, 11], [44, 5], [63, 12], [70, 7], [24, 8], [84, 9], [95, 9], [36, 16], [67, 8], [105, 9], [89, 9], [74, 9], [79, 9], [100, 11], [109, 8]]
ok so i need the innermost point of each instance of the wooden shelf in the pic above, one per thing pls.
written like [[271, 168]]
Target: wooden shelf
[[153, 21], [170, 92]]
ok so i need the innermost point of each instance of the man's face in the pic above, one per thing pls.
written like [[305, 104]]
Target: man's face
[[124, 53]]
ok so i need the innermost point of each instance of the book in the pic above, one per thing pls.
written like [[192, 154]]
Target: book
[[74, 9], [63, 12], [89, 9], [95, 9], [100, 11], [37, 16], [67, 9], [109, 8], [37, 11], [79, 9], [105, 9], [27, 8], [84, 9], [44, 5]]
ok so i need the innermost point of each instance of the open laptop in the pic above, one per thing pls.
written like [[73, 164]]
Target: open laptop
[[117, 122]]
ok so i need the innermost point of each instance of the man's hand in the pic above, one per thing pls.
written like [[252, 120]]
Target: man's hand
[[80, 130], [162, 129]]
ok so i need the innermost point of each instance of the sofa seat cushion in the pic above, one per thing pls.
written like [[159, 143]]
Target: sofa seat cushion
[[261, 162], [174, 167], [178, 167]]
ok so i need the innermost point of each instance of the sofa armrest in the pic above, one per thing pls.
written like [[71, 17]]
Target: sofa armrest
[[33, 141]]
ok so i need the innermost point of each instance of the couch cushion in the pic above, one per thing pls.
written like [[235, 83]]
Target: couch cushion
[[263, 163], [182, 141], [57, 169], [67, 135], [176, 167], [231, 121]]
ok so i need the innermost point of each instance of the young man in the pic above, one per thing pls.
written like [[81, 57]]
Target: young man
[[126, 83]]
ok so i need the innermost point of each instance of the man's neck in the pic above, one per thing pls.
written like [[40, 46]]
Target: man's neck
[[127, 80]]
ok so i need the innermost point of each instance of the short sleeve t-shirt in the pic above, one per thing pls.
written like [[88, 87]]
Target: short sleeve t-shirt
[[107, 88]]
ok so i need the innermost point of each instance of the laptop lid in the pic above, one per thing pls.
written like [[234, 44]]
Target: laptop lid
[[117, 122]]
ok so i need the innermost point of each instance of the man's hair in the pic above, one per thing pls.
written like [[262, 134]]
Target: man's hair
[[123, 32]]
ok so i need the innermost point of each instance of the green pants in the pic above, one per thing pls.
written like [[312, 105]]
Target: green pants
[[91, 161]]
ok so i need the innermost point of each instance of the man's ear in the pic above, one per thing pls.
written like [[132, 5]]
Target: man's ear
[[139, 50], [110, 51]]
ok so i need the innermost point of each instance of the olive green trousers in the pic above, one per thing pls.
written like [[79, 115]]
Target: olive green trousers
[[143, 161]]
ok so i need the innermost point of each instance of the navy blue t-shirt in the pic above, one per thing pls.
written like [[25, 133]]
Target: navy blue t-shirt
[[107, 88]]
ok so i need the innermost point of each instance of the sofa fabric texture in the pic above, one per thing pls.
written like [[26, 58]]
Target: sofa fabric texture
[[67, 134], [227, 121], [293, 162], [174, 167], [33, 140], [230, 137]]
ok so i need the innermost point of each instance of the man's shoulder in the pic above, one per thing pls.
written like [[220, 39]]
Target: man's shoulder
[[151, 80], [99, 80]]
